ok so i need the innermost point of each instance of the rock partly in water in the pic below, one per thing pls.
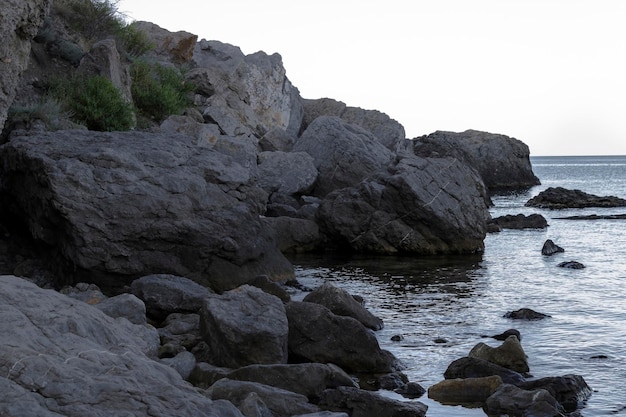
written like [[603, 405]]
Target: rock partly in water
[[525, 314], [503, 162], [509, 354], [505, 334], [562, 198], [467, 391], [116, 206], [550, 248], [513, 401], [569, 390], [360, 403], [473, 367], [62, 357], [519, 221], [340, 302], [571, 265]]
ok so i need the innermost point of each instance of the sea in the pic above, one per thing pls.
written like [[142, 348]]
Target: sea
[[443, 306]]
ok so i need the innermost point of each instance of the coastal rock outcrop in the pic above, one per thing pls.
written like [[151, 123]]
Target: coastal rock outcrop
[[116, 206], [19, 22], [561, 198], [519, 221], [503, 162], [550, 248]]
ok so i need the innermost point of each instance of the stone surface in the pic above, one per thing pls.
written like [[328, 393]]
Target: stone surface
[[571, 265], [176, 47], [468, 391], [318, 335], [503, 162], [294, 235], [63, 357], [561, 198], [117, 206], [19, 22], [282, 403], [124, 305], [509, 354], [340, 302], [244, 94], [514, 401], [518, 221], [417, 206], [388, 131], [473, 367], [550, 248], [244, 326], [360, 403], [164, 294], [286, 172], [569, 390], [525, 314], [344, 154], [181, 330]]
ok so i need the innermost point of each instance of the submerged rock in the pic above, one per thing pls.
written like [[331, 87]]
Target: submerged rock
[[571, 265], [525, 314]]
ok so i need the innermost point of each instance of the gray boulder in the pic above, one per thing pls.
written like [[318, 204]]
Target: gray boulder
[[525, 314], [294, 235], [342, 303], [388, 131], [244, 326], [182, 331], [571, 265], [244, 94], [571, 391], [282, 403], [509, 354], [344, 154], [121, 205], [286, 172], [503, 162], [67, 358], [473, 367], [164, 294], [124, 305], [417, 206], [360, 403], [175, 47], [518, 221], [514, 401], [318, 335], [183, 363], [550, 248], [19, 25], [309, 379]]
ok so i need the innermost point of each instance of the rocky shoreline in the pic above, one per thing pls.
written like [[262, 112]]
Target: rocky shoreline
[[144, 271]]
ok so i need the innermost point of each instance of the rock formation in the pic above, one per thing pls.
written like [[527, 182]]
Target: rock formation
[[562, 198]]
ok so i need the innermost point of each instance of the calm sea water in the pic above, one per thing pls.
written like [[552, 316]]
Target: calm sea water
[[458, 299]]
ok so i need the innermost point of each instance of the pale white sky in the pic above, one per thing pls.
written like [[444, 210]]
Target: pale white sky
[[551, 73]]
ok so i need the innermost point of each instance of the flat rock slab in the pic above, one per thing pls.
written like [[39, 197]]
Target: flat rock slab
[[561, 198]]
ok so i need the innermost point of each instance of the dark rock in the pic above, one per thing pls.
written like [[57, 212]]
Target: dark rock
[[386, 130], [70, 358], [181, 330], [286, 172], [281, 403], [571, 265], [294, 235], [503, 162], [472, 367], [561, 198], [340, 302], [550, 248], [253, 405], [344, 154], [411, 390], [244, 326], [183, 363], [361, 403], [87, 293], [164, 294], [569, 390], [519, 221], [595, 217], [120, 205], [392, 381], [504, 335], [440, 340], [514, 401], [204, 374], [509, 354], [309, 379], [417, 206], [468, 391], [525, 314], [397, 338], [264, 283], [124, 305], [318, 335]]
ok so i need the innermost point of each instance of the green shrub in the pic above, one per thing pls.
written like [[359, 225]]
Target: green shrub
[[49, 111], [95, 102], [158, 91], [94, 19]]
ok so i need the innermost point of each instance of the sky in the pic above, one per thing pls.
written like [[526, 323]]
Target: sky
[[551, 73]]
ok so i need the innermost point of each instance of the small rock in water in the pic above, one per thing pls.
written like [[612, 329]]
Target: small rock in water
[[397, 338], [411, 390], [507, 333], [525, 314], [440, 340], [571, 265], [550, 248]]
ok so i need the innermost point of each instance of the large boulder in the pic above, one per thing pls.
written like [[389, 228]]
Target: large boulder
[[388, 131], [571, 391], [344, 154], [244, 326], [518, 221], [286, 172], [509, 354], [466, 391], [176, 47], [340, 302], [473, 367], [318, 335], [19, 22], [116, 206], [503, 162], [417, 206], [360, 403], [514, 401], [60, 357], [562, 198], [244, 94]]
